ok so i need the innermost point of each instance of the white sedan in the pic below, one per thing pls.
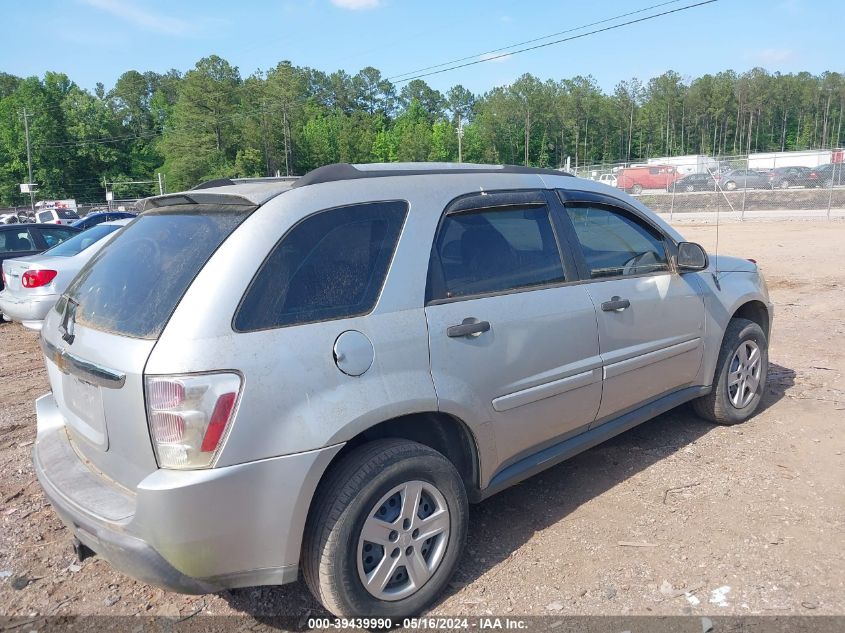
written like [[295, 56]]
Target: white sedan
[[33, 284]]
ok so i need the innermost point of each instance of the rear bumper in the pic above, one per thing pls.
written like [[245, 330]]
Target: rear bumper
[[30, 311], [188, 531]]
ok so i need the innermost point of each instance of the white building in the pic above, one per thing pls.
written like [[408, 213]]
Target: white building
[[805, 158]]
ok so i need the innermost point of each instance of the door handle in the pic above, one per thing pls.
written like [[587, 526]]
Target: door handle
[[616, 304], [469, 327]]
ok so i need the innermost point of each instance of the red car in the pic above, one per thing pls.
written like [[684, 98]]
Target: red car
[[635, 179]]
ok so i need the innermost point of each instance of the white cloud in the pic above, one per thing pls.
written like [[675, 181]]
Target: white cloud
[[494, 57], [356, 5], [142, 18], [773, 55]]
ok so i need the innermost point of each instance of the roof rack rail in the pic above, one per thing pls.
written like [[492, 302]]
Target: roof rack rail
[[347, 171]]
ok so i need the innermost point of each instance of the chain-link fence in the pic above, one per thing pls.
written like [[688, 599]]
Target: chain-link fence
[[810, 183]]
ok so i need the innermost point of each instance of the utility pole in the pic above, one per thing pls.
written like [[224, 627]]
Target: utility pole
[[160, 185], [285, 131], [460, 131], [29, 160]]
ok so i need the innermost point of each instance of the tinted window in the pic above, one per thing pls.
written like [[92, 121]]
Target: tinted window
[[16, 241], [615, 244], [81, 241], [494, 251], [45, 216], [133, 284], [66, 215], [55, 235], [329, 266]]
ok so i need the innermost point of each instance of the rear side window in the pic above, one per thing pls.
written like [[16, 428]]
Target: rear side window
[[484, 252], [329, 266], [55, 235], [16, 241], [66, 215], [45, 216], [133, 284]]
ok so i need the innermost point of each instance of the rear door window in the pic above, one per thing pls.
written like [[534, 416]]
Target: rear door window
[[16, 241], [331, 265], [482, 252], [55, 235], [133, 284]]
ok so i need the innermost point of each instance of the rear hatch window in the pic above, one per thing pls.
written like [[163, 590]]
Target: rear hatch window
[[132, 285]]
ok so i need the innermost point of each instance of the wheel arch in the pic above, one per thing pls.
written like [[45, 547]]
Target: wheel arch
[[440, 431], [756, 311]]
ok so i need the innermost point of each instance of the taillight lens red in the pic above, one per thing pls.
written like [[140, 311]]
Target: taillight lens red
[[38, 278], [219, 418], [188, 417]]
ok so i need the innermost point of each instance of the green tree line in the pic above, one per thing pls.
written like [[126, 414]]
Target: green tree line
[[212, 122]]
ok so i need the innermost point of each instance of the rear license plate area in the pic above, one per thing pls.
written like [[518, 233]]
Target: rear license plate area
[[85, 406]]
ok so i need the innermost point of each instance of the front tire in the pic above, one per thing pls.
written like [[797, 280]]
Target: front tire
[[637, 189], [740, 377], [386, 531]]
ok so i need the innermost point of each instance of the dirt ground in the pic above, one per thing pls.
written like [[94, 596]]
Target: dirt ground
[[674, 517]]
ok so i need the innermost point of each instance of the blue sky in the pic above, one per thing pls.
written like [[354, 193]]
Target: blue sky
[[97, 40]]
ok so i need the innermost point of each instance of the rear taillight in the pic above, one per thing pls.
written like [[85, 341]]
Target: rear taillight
[[189, 417], [38, 278]]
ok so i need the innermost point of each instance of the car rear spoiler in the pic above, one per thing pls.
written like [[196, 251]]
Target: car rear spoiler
[[194, 198]]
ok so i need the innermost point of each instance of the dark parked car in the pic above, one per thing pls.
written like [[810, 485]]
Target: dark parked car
[[786, 177], [693, 182], [19, 240], [826, 176], [92, 219], [744, 179]]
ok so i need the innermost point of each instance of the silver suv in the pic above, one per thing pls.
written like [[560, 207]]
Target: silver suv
[[337, 365]]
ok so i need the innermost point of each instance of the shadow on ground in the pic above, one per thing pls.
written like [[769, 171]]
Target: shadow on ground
[[508, 520]]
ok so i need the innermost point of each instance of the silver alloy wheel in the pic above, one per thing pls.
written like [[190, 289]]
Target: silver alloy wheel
[[744, 374], [403, 540]]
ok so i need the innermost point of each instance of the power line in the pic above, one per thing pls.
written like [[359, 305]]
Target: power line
[[560, 41], [400, 76]]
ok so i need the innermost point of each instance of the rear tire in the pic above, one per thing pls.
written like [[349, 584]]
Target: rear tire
[[357, 502], [740, 376], [637, 190], [730, 186]]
